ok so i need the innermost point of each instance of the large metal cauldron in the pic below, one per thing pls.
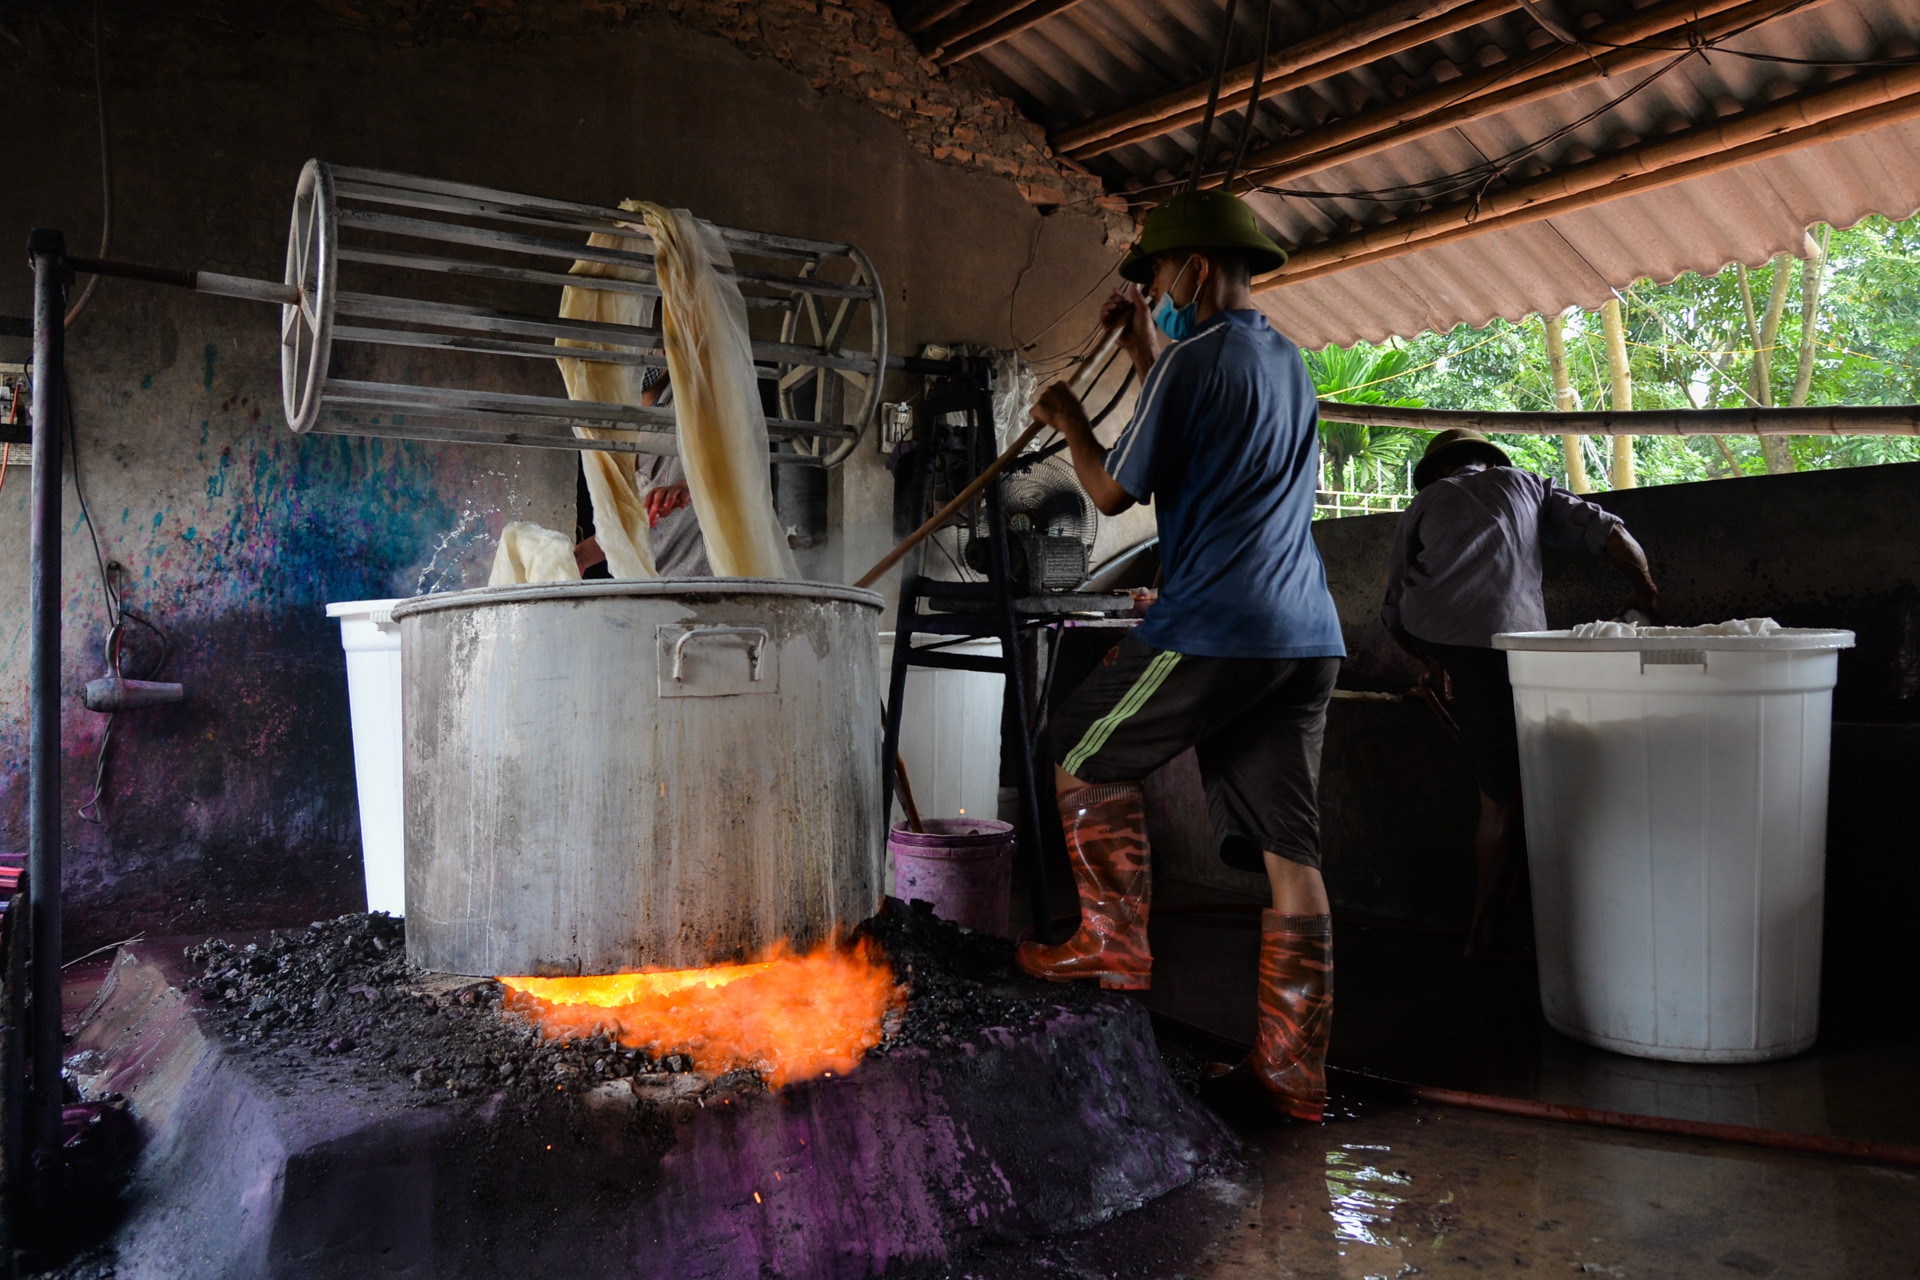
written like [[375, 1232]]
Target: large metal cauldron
[[610, 776]]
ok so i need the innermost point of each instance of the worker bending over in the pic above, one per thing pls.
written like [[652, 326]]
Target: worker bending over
[[1465, 567], [1238, 657], [679, 548]]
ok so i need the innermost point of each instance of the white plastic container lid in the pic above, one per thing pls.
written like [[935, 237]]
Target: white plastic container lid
[[378, 612], [1657, 639]]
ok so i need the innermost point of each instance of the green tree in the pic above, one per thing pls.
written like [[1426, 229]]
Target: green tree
[[1691, 344], [1363, 374]]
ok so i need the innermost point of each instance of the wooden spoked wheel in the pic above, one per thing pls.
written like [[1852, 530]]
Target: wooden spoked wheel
[[306, 328], [848, 398]]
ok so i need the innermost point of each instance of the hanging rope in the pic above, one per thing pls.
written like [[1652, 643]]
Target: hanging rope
[[1213, 97], [1253, 102]]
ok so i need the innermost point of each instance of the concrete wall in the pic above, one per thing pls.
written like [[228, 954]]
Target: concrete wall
[[237, 807]]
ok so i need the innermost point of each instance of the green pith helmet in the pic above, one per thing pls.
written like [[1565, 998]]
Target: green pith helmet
[[1211, 219], [1456, 446]]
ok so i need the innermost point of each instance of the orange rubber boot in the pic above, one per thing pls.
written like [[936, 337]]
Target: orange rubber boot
[[1296, 1011], [1106, 830]]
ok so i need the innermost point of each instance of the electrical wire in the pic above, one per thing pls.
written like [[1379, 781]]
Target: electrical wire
[[1587, 43], [118, 615], [1213, 97], [106, 175], [1486, 173], [1253, 98], [1481, 176]]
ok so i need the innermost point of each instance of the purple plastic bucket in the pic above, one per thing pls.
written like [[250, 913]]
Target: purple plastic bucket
[[963, 866]]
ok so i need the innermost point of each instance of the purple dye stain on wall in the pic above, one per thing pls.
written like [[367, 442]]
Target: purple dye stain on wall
[[230, 535]]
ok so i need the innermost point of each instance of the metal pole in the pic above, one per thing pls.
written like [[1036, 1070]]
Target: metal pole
[[48, 253]]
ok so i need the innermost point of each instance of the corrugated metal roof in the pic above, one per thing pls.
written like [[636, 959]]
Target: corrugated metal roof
[[1101, 55]]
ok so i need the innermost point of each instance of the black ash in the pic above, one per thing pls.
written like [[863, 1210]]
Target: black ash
[[338, 1001]]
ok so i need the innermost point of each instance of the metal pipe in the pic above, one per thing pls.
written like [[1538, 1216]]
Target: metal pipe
[[1836, 420], [47, 251], [243, 287], [653, 443], [526, 275], [777, 245], [553, 410], [402, 396], [505, 347], [483, 319], [1818, 1144], [514, 242], [451, 315], [494, 271]]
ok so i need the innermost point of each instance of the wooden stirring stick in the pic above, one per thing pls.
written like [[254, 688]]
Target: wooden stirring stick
[[914, 824]]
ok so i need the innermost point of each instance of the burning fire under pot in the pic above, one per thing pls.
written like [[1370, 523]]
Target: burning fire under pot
[[652, 809]]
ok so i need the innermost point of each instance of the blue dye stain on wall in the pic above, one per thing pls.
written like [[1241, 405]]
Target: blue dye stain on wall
[[237, 806]]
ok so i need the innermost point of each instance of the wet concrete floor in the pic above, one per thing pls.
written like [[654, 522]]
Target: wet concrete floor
[[1408, 1190], [1392, 1189]]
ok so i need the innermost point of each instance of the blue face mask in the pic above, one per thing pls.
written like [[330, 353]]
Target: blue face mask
[[1176, 322]]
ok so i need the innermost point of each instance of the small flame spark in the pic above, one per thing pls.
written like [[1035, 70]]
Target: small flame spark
[[789, 1017]]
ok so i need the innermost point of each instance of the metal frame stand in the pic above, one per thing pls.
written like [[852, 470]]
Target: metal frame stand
[[47, 251], [999, 620]]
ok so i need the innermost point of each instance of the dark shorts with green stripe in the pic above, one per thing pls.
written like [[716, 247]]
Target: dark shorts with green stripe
[[1256, 725]]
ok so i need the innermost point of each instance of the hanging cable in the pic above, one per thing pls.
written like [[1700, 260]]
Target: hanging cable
[[118, 615], [1483, 175], [1213, 97], [106, 174], [1253, 100]]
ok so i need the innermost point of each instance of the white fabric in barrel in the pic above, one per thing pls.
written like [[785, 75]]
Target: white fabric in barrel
[[372, 640], [950, 733], [1675, 791]]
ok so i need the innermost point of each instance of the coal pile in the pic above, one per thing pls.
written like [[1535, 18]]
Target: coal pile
[[958, 982], [338, 1001]]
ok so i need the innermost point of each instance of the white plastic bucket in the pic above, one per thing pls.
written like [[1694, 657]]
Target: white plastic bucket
[[950, 733], [372, 640], [1675, 791]]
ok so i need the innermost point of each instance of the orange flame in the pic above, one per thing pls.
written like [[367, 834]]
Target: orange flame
[[789, 1017]]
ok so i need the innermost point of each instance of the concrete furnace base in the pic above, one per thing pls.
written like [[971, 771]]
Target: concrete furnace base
[[920, 1153]]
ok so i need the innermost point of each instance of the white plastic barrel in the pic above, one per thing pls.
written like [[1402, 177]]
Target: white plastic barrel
[[1675, 792], [372, 640], [950, 733]]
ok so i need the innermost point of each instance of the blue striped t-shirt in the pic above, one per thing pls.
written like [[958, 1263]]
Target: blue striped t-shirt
[[1225, 441]]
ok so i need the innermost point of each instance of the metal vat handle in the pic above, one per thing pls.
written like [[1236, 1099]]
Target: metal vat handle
[[758, 635]]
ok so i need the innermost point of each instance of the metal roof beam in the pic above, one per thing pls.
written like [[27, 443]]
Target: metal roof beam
[[1380, 34]]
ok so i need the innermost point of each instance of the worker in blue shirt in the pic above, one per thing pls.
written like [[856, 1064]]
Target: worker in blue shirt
[[1238, 656]]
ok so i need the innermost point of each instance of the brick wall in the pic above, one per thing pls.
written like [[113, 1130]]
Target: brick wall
[[854, 48]]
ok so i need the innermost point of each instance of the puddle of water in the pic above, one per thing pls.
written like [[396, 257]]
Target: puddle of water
[[1361, 1199]]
